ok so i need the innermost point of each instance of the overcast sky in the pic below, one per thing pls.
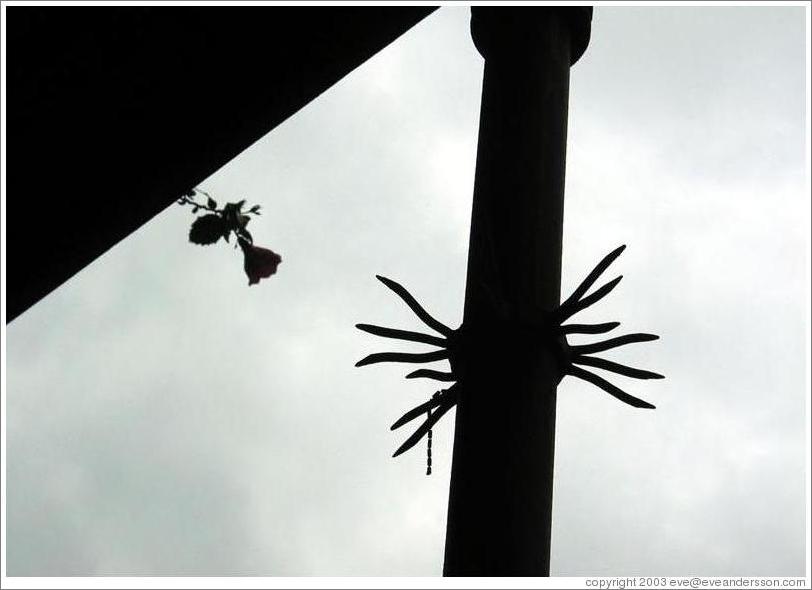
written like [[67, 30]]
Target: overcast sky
[[165, 418]]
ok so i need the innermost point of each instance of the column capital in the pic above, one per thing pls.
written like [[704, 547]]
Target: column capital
[[525, 31]]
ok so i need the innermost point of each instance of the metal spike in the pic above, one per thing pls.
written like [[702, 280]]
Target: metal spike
[[612, 343], [616, 367], [427, 319], [403, 357], [593, 275], [402, 335], [608, 387]]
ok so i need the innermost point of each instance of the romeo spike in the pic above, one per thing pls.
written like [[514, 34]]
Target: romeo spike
[[615, 367], [589, 328], [594, 275], [423, 429], [402, 357], [612, 343], [430, 374], [573, 308], [401, 334], [415, 306], [446, 396], [609, 388]]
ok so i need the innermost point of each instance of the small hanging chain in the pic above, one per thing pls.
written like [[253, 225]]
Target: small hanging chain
[[428, 440]]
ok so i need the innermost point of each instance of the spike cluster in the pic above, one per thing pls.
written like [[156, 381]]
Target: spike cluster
[[442, 401], [447, 347], [580, 354]]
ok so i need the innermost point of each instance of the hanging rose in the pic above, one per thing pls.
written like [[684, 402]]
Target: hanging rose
[[217, 223], [260, 263]]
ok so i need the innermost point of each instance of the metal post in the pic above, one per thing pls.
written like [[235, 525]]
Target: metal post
[[500, 501]]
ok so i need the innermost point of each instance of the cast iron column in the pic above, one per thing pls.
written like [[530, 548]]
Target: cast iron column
[[499, 514]]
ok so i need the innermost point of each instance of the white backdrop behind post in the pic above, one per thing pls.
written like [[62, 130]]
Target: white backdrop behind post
[[164, 418]]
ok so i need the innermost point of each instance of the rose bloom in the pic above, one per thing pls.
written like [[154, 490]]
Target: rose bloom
[[260, 263]]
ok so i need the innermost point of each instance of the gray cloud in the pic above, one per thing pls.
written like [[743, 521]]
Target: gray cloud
[[164, 418]]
